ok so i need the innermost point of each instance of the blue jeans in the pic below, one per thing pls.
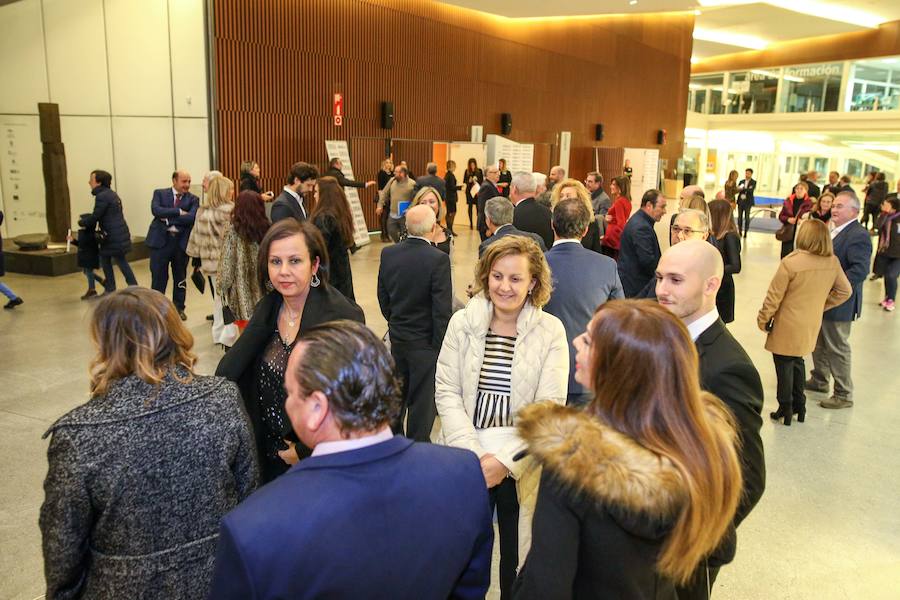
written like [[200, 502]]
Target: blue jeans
[[91, 278], [7, 292], [106, 263]]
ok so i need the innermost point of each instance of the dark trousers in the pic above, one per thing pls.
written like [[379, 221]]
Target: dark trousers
[[744, 218], [107, 261], [505, 500], [872, 210], [790, 372], [482, 223], [91, 278], [700, 585], [415, 365], [469, 210], [891, 272], [160, 260], [787, 248], [383, 220]]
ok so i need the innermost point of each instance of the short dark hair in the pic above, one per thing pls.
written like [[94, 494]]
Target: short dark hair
[[879, 176], [286, 228], [571, 218], [894, 202], [751, 171], [351, 366], [104, 178], [431, 169], [302, 171], [333, 162], [650, 197], [596, 175], [845, 179], [403, 169]]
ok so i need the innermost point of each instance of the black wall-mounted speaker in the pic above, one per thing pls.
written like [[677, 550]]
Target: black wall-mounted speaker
[[505, 123], [387, 115], [661, 136], [598, 132]]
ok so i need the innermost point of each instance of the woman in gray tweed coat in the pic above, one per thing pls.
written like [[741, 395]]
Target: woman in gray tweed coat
[[140, 475]]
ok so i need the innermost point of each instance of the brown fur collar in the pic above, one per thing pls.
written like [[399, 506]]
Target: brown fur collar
[[590, 457]]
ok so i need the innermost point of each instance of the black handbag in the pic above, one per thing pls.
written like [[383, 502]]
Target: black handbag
[[786, 233], [227, 315], [199, 280]]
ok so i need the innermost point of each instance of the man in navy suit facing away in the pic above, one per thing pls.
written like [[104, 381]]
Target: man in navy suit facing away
[[369, 514], [173, 210]]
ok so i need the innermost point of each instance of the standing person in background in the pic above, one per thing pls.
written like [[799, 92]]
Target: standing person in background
[[640, 486], [876, 192], [640, 252], [888, 253], [88, 256], [814, 191], [398, 190], [833, 184], [821, 209], [336, 170], [795, 207], [250, 173], [384, 177], [213, 220], [430, 179], [441, 237], [627, 170], [113, 234], [300, 182], [505, 178], [473, 177], [174, 210], [844, 185], [731, 189], [290, 258], [237, 281], [498, 213], [745, 201], [14, 300], [620, 190], [452, 194], [332, 217], [600, 201], [572, 188], [728, 242], [500, 354], [528, 214], [141, 475], [808, 282], [487, 191]]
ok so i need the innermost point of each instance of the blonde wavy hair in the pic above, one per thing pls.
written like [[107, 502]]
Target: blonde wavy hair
[[516, 245], [219, 191], [583, 194], [417, 199], [137, 331]]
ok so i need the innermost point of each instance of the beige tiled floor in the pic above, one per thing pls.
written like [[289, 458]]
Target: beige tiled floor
[[827, 527]]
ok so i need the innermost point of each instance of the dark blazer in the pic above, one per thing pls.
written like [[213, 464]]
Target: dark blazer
[[432, 181], [109, 216], [813, 189], [487, 191], [727, 371], [395, 520], [745, 192], [639, 254], [591, 239], [730, 248], [88, 250], [853, 248], [342, 179], [452, 189], [534, 217], [414, 292], [510, 229], [582, 281], [166, 214], [340, 276], [477, 175], [241, 363], [286, 206]]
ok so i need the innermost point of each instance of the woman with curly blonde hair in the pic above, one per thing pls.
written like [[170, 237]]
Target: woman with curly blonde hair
[[141, 475], [501, 354], [572, 188]]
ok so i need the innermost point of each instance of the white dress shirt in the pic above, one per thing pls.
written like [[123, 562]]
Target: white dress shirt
[[697, 328], [565, 241], [298, 198], [837, 230]]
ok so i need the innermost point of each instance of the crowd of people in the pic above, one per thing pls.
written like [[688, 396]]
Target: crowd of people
[[585, 388]]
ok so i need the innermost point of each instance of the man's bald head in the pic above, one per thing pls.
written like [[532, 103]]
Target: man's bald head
[[420, 221], [688, 278]]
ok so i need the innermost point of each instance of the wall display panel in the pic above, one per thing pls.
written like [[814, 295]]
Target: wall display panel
[[144, 162], [76, 56], [188, 46], [339, 149], [22, 175], [88, 142], [192, 147], [138, 41], [23, 68], [351, 47]]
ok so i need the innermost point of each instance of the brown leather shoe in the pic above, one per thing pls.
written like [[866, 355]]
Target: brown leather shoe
[[836, 403]]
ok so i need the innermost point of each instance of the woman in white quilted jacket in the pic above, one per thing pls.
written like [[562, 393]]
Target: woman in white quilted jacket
[[500, 354]]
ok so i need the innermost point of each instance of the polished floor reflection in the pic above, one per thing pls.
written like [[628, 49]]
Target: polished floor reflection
[[826, 528]]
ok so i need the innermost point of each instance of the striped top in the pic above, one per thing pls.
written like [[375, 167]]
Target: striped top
[[494, 383]]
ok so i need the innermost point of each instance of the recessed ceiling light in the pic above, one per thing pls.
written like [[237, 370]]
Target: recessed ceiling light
[[730, 39], [633, 2]]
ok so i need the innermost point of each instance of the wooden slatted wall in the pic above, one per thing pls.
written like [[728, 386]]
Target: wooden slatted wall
[[445, 68]]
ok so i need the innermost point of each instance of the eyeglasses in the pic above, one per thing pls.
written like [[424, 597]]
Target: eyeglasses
[[686, 230]]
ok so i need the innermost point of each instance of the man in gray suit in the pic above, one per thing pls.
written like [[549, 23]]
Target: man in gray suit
[[498, 214], [582, 280], [430, 179]]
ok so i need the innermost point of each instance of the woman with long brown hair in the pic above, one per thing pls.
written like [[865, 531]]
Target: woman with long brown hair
[[639, 486], [237, 282], [620, 190], [728, 241], [141, 475], [333, 218], [730, 188]]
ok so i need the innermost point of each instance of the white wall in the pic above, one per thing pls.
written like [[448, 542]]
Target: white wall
[[130, 80]]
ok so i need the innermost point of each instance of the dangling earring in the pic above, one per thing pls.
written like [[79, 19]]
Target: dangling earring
[[530, 291], [269, 286], [314, 282]]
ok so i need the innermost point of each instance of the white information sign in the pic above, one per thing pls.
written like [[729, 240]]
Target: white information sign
[[339, 149]]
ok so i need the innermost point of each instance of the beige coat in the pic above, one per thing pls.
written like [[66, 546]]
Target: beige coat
[[206, 236], [804, 287]]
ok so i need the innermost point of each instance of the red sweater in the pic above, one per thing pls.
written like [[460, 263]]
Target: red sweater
[[620, 211]]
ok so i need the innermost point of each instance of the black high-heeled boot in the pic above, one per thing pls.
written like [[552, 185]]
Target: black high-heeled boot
[[801, 413], [784, 412]]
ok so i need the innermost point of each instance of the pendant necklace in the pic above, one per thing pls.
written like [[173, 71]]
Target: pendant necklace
[[292, 318]]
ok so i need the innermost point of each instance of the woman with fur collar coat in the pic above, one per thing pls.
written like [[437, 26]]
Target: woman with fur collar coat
[[499, 355], [639, 486]]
